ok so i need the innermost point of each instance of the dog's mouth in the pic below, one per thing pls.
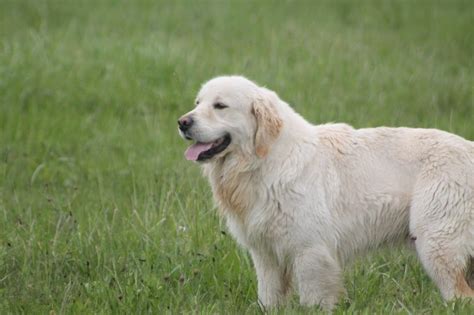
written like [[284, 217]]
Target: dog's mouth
[[201, 151]]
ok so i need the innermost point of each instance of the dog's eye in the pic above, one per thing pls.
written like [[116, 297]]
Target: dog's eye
[[220, 106]]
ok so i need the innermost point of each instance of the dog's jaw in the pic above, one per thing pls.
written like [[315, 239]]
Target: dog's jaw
[[203, 151]]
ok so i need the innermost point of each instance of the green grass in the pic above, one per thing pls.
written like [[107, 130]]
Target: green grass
[[99, 211]]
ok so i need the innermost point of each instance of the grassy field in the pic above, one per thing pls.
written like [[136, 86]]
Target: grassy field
[[99, 211]]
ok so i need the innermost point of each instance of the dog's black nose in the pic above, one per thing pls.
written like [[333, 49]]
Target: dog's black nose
[[185, 123]]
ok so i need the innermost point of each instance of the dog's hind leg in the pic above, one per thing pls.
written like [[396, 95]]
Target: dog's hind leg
[[441, 220], [446, 264]]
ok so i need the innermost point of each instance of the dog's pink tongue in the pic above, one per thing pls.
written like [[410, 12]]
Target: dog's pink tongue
[[192, 153]]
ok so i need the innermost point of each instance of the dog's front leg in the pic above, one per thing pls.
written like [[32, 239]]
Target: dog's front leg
[[319, 278], [273, 280]]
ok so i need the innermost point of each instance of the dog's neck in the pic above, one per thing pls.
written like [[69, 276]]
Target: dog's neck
[[232, 179], [295, 132]]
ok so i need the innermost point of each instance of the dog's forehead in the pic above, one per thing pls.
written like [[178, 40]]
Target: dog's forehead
[[226, 88]]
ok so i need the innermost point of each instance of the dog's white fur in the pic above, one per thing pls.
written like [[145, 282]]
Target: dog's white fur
[[304, 199]]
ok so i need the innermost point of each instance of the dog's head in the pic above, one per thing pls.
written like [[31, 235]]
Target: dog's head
[[231, 114]]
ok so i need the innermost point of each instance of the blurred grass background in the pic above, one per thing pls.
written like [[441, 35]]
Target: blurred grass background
[[99, 212]]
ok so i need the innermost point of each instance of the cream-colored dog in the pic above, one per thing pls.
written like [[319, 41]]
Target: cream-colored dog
[[304, 199]]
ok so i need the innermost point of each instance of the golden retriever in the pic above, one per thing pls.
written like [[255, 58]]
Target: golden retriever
[[304, 199]]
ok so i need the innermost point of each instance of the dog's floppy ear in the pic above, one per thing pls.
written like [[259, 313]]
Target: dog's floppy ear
[[269, 122]]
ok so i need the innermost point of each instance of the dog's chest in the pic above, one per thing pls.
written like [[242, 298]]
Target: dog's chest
[[254, 212], [264, 228]]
